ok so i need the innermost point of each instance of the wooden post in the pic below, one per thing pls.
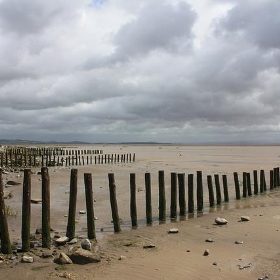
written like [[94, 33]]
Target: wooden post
[[271, 177], [70, 233], [236, 184], [26, 200], [199, 191], [256, 184], [190, 194], [162, 200], [182, 194], [218, 189], [262, 181], [244, 184], [249, 188], [225, 187], [4, 231], [148, 198], [173, 204], [275, 177], [113, 201], [89, 205], [133, 208], [210, 191], [46, 229]]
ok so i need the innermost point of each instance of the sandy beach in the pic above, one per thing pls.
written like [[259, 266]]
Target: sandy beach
[[175, 256]]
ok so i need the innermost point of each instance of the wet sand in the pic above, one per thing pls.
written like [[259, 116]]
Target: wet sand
[[170, 259]]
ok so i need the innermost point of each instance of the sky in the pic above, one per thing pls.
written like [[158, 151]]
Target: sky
[[111, 71]]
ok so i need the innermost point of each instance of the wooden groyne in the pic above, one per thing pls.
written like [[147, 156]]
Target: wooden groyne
[[216, 196], [28, 157]]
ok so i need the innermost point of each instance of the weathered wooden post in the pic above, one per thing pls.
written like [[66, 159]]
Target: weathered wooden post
[[262, 181], [190, 194], [70, 233], [199, 191], [182, 194], [271, 179], [211, 191], [218, 189], [244, 184], [274, 177], [4, 231], [133, 207], [46, 228], [236, 184], [26, 200], [148, 198], [162, 200], [225, 187], [113, 201], [89, 206], [256, 184], [173, 204], [249, 188]]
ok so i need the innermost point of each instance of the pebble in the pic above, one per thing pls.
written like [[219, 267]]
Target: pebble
[[221, 221], [209, 240], [238, 242], [215, 263], [82, 212], [245, 218], [149, 246], [206, 252], [173, 230], [122, 257], [27, 259]]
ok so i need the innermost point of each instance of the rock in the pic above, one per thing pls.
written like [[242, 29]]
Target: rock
[[244, 218], [149, 246], [73, 241], [36, 200], [173, 230], [27, 259], [63, 259], [82, 212], [12, 183], [238, 242], [215, 263], [8, 195], [206, 252], [209, 240], [220, 221], [62, 240], [122, 258], [81, 256], [38, 231], [86, 245]]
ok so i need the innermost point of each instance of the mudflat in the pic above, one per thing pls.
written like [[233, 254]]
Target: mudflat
[[241, 250]]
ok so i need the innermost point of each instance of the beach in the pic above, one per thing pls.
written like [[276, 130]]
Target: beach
[[175, 256]]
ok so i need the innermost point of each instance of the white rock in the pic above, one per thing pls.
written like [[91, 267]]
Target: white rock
[[220, 221], [62, 240], [173, 230], [27, 259]]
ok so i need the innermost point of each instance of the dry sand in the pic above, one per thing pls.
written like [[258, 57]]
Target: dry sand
[[170, 258]]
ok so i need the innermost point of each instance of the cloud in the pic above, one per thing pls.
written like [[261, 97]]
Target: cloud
[[117, 70]]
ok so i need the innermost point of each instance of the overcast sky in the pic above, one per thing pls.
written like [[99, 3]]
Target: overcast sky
[[149, 70]]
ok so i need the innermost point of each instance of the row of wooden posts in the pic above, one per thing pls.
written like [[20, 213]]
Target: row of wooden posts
[[177, 183], [35, 158]]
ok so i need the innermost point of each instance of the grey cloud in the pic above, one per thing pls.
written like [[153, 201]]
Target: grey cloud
[[159, 26], [257, 21]]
